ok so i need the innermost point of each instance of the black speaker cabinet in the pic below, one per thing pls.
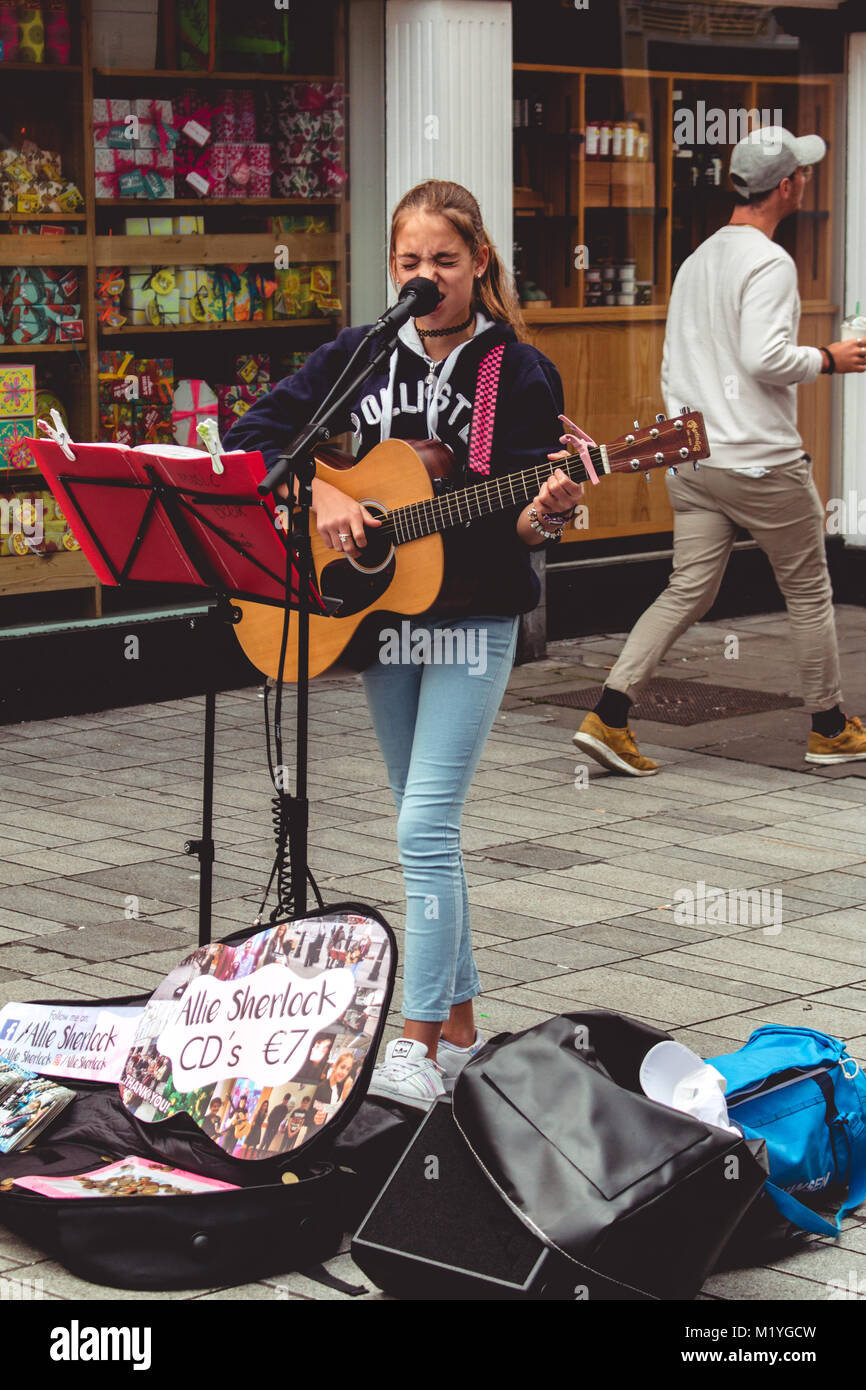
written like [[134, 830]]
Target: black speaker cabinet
[[440, 1230]]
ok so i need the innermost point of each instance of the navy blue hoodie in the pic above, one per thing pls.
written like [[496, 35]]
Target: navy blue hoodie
[[398, 402]]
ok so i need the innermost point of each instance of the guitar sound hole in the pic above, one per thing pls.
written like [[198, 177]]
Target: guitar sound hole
[[358, 588]]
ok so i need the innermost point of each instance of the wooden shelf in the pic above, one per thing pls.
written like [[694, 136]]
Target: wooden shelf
[[39, 250], [133, 330], [32, 574], [212, 248], [25, 349], [40, 67], [605, 313], [153, 206], [199, 75], [42, 216]]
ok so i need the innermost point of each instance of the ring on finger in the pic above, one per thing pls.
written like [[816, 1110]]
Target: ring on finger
[[343, 536]]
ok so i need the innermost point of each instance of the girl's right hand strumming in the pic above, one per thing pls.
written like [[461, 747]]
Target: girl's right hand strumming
[[340, 520]]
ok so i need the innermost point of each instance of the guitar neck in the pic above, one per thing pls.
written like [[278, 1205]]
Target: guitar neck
[[467, 504]]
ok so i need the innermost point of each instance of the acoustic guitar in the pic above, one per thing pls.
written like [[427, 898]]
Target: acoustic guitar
[[410, 487]]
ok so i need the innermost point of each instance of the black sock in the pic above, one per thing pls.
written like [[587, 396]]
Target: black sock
[[828, 722], [612, 708]]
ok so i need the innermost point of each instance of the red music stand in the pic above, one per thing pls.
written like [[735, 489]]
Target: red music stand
[[165, 516]]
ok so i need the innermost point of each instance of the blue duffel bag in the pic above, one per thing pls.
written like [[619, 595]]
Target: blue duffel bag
[[802, 1093]]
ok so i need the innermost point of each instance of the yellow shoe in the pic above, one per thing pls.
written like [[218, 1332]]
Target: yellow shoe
[[846, 747], [616, 748]]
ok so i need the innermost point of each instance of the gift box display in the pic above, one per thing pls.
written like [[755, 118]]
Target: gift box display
[[31, 180], [17, 415], [309, 119], [110, 286], [194, 402]]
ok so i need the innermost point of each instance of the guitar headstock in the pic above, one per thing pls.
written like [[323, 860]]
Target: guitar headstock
[[666, 444]]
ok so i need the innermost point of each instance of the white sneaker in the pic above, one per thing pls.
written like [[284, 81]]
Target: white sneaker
[[453, 1059], [407, 1074]]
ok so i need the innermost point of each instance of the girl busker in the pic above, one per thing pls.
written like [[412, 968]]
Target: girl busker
[[432, 720]]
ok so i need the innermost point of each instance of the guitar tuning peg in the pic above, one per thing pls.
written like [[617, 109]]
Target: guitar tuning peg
[[696, 466], [685, 410], [636, 425], [647, 477], [672, 472], [659, 419]]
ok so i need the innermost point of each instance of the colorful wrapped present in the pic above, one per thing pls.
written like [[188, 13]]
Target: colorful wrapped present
[[110, 114], [111, 372], [117, 175], [8, 32], [116, 423], [16, 438], [152, 423], [252, 369], [17, 390], [39, 285], [306, 224], [151, 295], [158, 172], [31, 33], [155, 377], [193, 285], [58, 38], [44, 323], [305, 291], [194, 402], [236, 118], [235, 401], [147, 226]]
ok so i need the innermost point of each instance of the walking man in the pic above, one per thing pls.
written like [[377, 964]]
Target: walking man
[[731, 350]]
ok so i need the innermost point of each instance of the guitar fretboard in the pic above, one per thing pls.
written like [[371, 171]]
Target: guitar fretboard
[[449, 509]]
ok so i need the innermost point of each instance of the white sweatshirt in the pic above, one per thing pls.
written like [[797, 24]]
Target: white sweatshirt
[[731, 348]]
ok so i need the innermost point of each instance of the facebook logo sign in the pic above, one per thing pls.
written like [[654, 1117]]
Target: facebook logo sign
[[8, 1029]]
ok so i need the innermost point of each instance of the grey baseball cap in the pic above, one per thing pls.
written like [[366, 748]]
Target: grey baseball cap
[[764, 157]]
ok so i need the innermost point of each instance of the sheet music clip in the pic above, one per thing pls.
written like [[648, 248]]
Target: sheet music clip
[[58, 432], [208, 433]]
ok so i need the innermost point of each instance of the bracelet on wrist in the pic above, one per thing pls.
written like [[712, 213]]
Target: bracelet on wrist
[[554, 535], [558, 518], [831, 361]]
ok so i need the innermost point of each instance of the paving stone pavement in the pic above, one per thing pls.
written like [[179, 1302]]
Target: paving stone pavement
[[573, 874]]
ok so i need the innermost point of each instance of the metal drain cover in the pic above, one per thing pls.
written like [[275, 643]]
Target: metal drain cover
[[683, 702]]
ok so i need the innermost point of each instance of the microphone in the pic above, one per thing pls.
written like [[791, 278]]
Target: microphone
[[418, 297]]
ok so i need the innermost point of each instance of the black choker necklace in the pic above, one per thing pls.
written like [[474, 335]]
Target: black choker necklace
[[445, 332]]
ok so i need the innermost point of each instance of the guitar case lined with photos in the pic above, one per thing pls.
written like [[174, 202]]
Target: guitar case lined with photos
[[263, 1118]]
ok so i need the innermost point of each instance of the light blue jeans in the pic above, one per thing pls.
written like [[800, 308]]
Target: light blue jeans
[[432, 720]]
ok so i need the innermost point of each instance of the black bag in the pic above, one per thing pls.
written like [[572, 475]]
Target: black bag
[[625, 1199], [290, 1213], [628, 1189]]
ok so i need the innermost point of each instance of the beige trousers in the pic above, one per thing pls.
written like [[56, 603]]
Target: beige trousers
[[783, 513]]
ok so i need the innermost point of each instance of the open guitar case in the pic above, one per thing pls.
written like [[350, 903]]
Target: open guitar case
[[290, 1211]]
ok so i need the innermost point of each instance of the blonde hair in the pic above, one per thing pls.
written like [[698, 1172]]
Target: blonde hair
[[493, 291]]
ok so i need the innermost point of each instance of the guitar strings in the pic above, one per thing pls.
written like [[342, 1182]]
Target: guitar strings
[[417, 519]]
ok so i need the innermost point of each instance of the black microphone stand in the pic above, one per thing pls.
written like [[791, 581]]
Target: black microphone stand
[[298, 464]]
